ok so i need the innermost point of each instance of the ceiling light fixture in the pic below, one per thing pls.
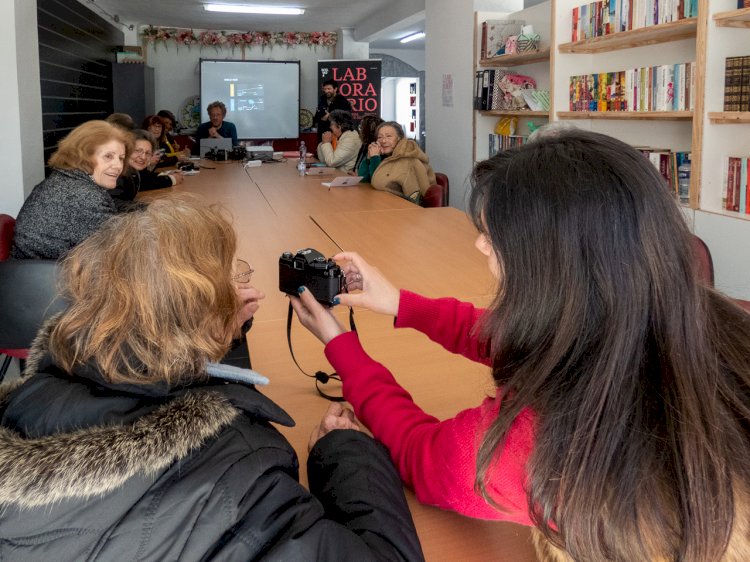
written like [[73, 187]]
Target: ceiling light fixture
[[240, 9], [412, 37]]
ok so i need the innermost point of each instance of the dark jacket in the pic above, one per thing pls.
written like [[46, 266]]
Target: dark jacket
[[132, 182], [60, 213], [95, 471], [324, 106], [227, 130]]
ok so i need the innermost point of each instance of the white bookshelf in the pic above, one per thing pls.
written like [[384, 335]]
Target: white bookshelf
[[709, 133]]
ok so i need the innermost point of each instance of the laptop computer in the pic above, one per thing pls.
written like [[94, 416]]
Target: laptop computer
[[321, 171], [342, 181], [221, 143]]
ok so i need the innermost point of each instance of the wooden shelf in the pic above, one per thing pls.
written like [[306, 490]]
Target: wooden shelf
[[519, 113], [729, 117], [517, 59], [733, 18], [624, 115], [663, 33]]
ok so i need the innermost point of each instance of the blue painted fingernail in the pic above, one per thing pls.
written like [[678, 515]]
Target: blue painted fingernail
[[336, 300], [300, 290]]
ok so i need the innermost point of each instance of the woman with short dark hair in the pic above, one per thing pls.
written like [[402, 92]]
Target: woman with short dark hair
[[138, 177], [367, 134], [340, 145], [73, 202], [620, 426], [124, 440]]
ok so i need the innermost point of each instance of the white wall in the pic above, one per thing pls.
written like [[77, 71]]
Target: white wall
[[21, 147], [448, 50], [177, 74], [413, 57], [449, 133]]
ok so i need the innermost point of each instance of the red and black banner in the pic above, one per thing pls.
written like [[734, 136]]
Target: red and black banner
[[359, 82]]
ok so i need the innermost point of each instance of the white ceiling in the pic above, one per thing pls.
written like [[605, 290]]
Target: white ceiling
[[380, 22]]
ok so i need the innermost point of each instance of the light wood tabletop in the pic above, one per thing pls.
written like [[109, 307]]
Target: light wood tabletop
[[430, 251]]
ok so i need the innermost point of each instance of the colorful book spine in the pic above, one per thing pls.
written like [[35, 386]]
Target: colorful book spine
[[659, 88]]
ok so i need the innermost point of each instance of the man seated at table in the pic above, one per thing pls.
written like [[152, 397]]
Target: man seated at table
[[216, 127]]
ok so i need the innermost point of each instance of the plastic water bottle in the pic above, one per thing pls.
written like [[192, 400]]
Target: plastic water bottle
[[683, 181], [301, 161]]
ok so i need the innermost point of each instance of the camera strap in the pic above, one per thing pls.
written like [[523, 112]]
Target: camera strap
[[321, 378]]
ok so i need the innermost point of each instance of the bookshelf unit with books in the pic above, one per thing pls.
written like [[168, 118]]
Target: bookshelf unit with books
[[535, 65], [728, 36], [660, 116], [716, 31]]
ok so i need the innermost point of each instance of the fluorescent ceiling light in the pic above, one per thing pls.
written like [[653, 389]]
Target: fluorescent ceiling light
[[240, 9], [413, 37]]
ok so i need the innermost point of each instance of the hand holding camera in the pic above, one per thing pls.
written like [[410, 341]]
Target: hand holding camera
[[377, 294], [309, 268]]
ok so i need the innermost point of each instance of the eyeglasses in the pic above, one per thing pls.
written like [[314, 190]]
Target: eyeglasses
[[141, 152], [243, 271]]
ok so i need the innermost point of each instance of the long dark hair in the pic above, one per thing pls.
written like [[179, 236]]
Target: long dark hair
[[638, 375]]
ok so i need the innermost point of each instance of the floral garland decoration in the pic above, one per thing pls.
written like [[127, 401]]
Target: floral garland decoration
[[233, 39]]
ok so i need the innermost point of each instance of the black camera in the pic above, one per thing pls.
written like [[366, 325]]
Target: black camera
[[310, 268], [216, 154], [186, 166], [238, 153]]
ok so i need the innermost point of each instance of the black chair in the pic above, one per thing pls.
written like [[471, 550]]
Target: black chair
[[28, 296]]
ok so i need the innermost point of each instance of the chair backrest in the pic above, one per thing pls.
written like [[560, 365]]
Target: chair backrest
[[7, 228], [28, 296], [437, 195], [705, 263]]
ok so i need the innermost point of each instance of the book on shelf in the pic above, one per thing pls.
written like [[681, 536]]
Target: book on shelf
[[737, 84], [735, 192], [498, 89], [660, 88], [500, 143], [667, 162], [597, 19]]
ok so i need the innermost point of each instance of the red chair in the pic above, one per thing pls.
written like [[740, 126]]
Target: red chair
[[437, 195], [7, 227], [705, 263], [706, 267]]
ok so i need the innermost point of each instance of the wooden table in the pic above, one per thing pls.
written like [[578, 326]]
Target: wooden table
[[426, 250]]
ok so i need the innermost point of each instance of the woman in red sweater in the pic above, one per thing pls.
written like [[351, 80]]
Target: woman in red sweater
[[620, 424]]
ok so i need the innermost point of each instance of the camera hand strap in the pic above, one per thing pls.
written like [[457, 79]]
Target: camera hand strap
[[320, 377]]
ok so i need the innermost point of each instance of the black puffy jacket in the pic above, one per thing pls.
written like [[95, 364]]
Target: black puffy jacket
[[94, 471]]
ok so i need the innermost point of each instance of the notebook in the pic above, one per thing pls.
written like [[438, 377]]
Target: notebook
[[208, 144], [342, 181], [321, 171]]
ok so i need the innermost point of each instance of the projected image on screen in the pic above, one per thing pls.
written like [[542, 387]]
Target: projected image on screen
[[262, 97]]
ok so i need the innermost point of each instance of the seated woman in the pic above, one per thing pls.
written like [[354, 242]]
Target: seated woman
[[123, 440], [367, 135], [154, 125], [343, 153], [621, 421], [397, 164], [170, 145], [138, 177], [74, 201]]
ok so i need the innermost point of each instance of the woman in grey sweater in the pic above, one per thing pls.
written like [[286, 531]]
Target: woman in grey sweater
[[73, 202]]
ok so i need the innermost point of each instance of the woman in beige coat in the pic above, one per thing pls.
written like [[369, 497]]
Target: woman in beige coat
[[395, 163]]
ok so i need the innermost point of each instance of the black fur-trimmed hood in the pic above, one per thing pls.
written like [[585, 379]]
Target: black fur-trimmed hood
[[36, 471]]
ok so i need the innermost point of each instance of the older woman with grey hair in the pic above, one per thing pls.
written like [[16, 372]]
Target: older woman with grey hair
[[340, 145]]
